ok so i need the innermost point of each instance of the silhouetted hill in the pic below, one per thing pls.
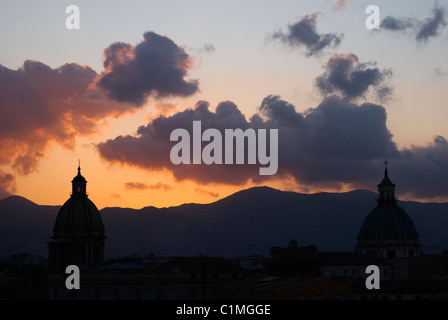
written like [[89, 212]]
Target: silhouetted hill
[[25, 226], [248, 222]]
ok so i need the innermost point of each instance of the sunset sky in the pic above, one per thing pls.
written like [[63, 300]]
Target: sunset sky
[[343, 98]]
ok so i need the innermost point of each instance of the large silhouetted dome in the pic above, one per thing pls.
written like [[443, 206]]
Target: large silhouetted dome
[[388, 223], [78, 233], [78, 217], [388, 231]]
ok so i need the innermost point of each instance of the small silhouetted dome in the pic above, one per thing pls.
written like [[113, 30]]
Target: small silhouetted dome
[[292, 244], [388, 224]]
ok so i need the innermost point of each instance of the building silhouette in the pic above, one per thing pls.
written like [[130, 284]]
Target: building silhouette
[[79, 238], [78, 233], [387, 238]]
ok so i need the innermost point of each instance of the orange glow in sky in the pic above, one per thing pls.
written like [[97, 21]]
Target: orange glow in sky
[[63, 93]]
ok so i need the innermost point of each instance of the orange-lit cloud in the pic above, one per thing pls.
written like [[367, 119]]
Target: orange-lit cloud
[[165, 108], [41, 106]]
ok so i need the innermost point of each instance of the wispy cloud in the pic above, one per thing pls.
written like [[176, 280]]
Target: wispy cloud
[[422, 31], [207, 192], [143, 186], [303, 33]]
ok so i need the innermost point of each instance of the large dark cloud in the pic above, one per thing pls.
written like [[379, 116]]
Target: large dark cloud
[[41, 105], [151, 147], [336, 144], [421, 30], [304, 34], [423, 170], [312, 145], [346, 76], [154, 67]]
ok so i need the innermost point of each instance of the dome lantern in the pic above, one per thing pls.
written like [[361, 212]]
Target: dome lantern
[[79, 184], [386, 189]]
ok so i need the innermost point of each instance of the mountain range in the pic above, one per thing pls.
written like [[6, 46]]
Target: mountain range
[[248, 222]]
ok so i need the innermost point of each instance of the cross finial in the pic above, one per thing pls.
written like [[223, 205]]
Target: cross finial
[[385, 167]]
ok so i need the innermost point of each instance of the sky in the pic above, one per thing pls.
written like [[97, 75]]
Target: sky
[[343, 97]]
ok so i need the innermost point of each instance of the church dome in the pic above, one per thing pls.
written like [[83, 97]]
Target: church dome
[[78, 233], [388, 231], [78, 217]]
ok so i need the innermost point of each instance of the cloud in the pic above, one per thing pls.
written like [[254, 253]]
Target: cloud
[[304, 34], [42, 106], [431, 27], [160, 185], [165, 108], [305, 139], [346, 76], [422, 170], [135, 185], [439, 73], [207, 192], [398, 24], [208, 47], [143, 186], [334, 145], [154, 67], [340, 4], [150, 147]]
